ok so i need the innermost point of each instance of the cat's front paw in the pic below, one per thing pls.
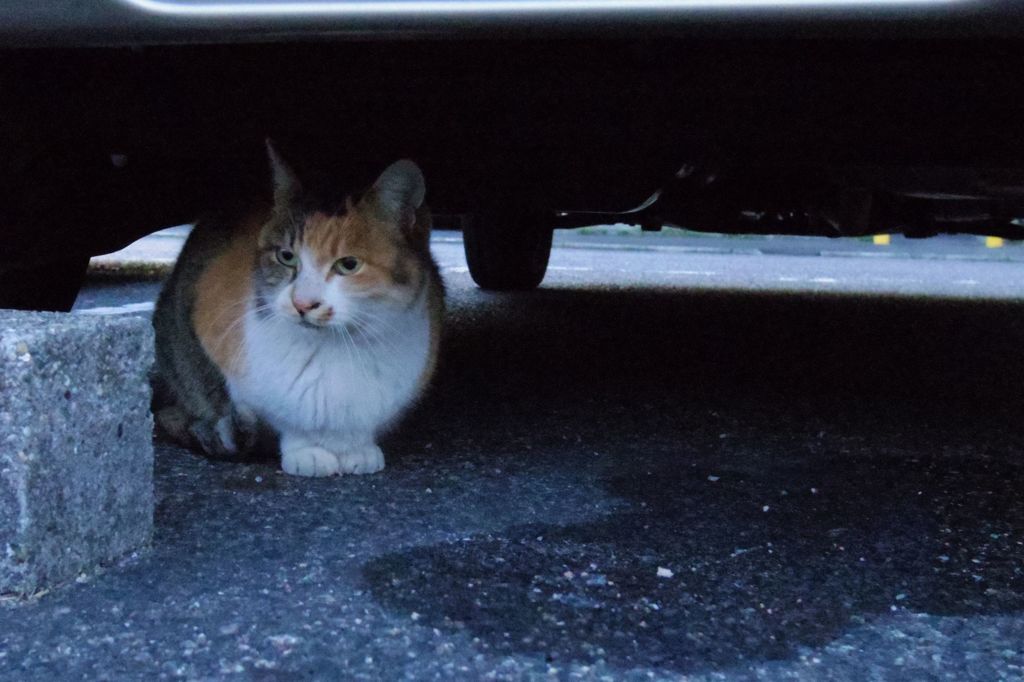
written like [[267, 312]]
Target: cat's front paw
[[309, 460], [215, 438], [366, 459]]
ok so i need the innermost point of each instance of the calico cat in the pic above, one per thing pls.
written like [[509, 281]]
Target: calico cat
[[317, 326]]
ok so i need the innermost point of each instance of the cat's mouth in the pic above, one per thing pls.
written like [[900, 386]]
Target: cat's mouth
[[311, 324]]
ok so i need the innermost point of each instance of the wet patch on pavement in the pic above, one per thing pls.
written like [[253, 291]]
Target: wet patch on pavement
[[716, 570]]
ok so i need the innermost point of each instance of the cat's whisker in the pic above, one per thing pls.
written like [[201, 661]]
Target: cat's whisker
[[364, 365], [229, 310], [375, 336], [372, 335], [216, 344], [250, 313], [382, 339], [359, 323], [376, 322], [367, 318], [379, 346], [356, 354], [240, 319]]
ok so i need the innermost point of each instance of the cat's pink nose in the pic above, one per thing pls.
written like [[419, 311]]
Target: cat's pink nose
[[304, 306]]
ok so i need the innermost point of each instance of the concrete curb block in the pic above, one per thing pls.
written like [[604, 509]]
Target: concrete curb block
[[76, 451], [151, 269]]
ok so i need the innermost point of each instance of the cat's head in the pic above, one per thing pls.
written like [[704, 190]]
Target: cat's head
[[331, 269]]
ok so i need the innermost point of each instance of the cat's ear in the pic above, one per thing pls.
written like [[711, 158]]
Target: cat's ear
[[286, 184], [399, 191]]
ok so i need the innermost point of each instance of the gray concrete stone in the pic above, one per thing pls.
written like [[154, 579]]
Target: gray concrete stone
[[76, 452]]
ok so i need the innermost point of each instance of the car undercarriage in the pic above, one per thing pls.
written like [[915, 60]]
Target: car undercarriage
[[836, 125]]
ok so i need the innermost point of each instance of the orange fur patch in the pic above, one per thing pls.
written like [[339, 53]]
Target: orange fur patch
[[361, 234], [222, 294]]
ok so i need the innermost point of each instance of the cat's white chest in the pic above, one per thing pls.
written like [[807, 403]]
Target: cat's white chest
[[323, 381]]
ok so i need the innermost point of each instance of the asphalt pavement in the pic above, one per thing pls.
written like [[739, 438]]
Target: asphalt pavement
[[663, 464]]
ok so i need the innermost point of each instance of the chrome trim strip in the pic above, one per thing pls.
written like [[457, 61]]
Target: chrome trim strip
[[427, 8]]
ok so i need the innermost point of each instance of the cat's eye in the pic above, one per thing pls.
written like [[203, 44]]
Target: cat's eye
[[287, 257], [349, 265]]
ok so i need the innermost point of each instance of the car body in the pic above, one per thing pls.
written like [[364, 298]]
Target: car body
[[120, 117]]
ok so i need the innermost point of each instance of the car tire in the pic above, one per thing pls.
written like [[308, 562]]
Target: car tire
[[51, 285], [508, 252]]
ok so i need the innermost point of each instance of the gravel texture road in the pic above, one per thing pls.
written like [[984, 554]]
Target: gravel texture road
[[618, 476]]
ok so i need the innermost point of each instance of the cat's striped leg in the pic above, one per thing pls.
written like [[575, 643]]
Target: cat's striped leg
[[214, 437], [174, 423], [245, 428], [225, 437]]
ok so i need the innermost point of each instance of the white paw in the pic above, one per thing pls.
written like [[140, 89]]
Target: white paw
[[226, 433], [366, 459], [309, 460]]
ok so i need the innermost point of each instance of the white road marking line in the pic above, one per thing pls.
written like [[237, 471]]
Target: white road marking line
[[966, 282], [126, 309], [824, 280], [698, 273], [895, 280]]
